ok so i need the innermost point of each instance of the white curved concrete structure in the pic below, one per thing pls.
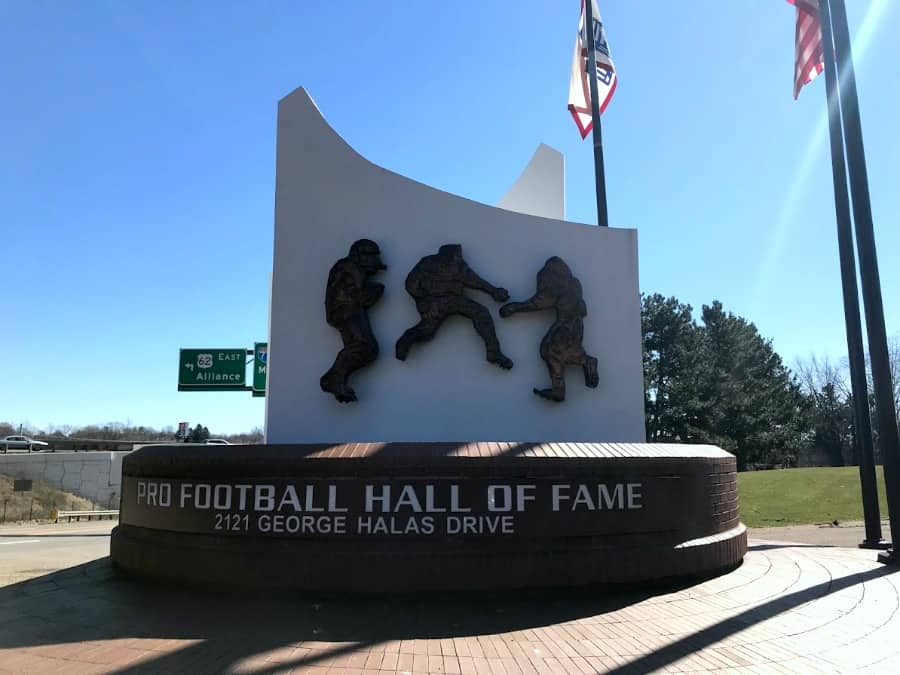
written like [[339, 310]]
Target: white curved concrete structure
[[541, 188], [327, 196]]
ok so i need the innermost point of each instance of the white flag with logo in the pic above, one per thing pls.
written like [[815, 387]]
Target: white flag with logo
[[579, 86]]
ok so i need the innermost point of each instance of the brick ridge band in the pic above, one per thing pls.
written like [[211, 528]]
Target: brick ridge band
[[496, 450]]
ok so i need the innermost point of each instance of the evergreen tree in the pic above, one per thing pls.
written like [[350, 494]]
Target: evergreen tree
[[671, 369], [720, 383], [197, 434], [756, 408]]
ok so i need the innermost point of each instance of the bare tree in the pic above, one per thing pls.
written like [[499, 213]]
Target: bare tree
[[894, 363], [254, 437], [814, 375], [826, 386], [894, 360]]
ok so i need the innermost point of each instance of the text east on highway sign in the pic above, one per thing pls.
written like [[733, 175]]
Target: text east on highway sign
[[212, 369]]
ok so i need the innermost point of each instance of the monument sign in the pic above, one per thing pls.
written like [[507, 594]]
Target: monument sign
[[455, 402]]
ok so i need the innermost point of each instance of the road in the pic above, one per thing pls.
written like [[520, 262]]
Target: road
[[28, 551]]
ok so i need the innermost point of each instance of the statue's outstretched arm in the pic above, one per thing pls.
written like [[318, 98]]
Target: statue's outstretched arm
[[473, 281], [540, 300]]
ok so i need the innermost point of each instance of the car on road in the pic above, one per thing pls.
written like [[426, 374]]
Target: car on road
[[21, 443], [216, 441]]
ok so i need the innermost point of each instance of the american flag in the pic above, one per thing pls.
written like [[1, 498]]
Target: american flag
[[809, 59]]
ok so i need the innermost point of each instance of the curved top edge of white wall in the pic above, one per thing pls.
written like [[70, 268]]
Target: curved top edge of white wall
[[301, 104]]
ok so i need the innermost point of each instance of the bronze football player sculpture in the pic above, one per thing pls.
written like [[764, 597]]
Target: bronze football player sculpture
[[348, 297], [437, 283], [558, 289]]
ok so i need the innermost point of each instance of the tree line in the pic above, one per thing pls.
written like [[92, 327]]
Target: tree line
[[719, 381], [714, 380], [117, 431]]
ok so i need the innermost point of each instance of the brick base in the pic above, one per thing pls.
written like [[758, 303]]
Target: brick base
[[685, 523]]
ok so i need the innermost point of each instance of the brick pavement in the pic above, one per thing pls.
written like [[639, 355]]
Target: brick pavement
[[787, 609]]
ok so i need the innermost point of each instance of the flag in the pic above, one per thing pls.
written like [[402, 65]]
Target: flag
[[809, 60], [579, 86]]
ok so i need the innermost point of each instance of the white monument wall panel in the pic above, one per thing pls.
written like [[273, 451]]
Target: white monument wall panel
[[328, 196]]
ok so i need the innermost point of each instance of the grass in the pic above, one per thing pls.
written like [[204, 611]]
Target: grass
[[804, 496], [37, 504]]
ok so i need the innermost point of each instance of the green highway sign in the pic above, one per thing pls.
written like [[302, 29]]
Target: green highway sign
[[212, 369], [260, 367]]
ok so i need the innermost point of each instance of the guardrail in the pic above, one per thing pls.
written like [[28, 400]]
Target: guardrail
[[88, 444], [56, 516]]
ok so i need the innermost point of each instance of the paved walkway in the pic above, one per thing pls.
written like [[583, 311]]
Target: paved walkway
[[848, 534], [787, 609]]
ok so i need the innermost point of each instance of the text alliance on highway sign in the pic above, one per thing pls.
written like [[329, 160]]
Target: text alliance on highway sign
[[212, 369]]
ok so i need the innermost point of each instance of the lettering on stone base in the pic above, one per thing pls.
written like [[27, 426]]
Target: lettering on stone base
[[366, 509]]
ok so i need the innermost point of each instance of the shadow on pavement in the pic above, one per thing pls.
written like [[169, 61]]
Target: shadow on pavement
[[93, 602], [770, 545], [701, 639]]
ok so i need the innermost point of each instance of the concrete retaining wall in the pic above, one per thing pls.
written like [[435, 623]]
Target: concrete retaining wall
[[93, 475]]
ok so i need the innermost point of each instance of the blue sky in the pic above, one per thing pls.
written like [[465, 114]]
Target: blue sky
[[139, 138]]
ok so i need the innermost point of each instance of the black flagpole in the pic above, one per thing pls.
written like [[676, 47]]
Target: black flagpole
[[599, 172], [868, 265], [862, 423]]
